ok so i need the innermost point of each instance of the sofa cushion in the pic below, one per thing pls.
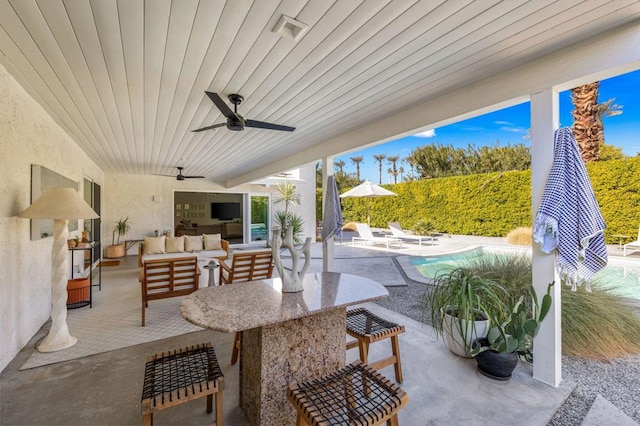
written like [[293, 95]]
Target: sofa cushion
[[174, 245], [210, 254], [193, 243], [212, 242], [154, 245]]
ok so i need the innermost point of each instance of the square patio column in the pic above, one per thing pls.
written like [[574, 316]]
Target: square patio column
[[327, 247], [547, 355]]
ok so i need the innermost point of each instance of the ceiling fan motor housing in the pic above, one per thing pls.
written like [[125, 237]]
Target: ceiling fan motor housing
[[236, 125]]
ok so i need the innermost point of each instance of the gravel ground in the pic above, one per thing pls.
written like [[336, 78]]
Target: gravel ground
[[617, 381]]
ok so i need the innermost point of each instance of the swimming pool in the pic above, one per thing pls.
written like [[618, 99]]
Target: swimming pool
[[620, 277]]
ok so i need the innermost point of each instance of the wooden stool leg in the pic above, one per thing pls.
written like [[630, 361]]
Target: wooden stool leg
[[393, 421], [364, 350], [143, 309], [395, 348], [219, 409], [209, 403], [147, 420], [300, 420], [236, 349]]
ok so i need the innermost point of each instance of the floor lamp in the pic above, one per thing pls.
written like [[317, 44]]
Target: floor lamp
[[61, 205]]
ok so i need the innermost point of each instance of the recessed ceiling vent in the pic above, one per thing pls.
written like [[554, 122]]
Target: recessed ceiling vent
[[289, 27]]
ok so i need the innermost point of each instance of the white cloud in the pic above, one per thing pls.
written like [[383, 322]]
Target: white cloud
[[513, 129], [426, 134], [508, 123]]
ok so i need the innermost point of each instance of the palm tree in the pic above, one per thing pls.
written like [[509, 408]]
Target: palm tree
[[393, 160], [340, 165], [401, 171], [605, 109], [585, 128], [588, 127], [379, 158], [357, 161]]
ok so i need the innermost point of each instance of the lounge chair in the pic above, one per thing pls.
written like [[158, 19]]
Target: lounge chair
[[398, 232], [367, 236], [635, 244]]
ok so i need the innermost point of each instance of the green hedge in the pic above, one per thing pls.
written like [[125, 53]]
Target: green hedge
[[495, 203]]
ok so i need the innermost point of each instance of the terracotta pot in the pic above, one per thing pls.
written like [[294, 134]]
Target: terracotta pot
[[112, 252], [77, 290]]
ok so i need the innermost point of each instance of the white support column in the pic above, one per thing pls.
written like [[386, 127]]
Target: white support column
[[327, 248], [547, 356]]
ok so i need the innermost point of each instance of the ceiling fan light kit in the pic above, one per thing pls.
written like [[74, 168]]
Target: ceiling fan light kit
[[235, 121]]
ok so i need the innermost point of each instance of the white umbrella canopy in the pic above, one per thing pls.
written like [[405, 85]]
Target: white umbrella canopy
[[368, 190]]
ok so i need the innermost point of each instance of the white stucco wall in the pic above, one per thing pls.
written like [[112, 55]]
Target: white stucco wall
[[28, 136]]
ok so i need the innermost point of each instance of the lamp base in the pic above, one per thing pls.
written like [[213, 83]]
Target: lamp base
[[53, 343]]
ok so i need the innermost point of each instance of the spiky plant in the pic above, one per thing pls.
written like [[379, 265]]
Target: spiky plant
[[596, 325]]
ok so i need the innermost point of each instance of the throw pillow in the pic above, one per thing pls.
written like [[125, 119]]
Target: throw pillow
[[154, 245], [212, 242], [174, 245], [193, 243]]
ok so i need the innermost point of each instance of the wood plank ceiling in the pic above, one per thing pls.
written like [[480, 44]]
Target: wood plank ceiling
[[126, 78]]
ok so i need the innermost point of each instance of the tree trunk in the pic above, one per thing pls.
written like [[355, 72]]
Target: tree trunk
[[587, 128]]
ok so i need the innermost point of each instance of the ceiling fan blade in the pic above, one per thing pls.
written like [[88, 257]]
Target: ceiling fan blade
[[222, 105], [270, 126], [158, 174], [210, 127], [194, 177]]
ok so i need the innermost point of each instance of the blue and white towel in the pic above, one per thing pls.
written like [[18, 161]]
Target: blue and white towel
[[569, 217], [332, 215]]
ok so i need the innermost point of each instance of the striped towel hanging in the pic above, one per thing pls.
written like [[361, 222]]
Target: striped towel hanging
[[569, 218]]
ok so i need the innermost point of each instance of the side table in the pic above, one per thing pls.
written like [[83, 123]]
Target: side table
[[91, 247]]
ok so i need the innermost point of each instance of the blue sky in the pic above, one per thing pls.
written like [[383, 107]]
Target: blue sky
[[510, 125]]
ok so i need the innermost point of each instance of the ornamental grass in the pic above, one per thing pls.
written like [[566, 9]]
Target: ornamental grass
[[597, 325], [520, 236]]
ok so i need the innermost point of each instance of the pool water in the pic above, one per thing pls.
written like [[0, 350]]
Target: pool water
[[619, 277]]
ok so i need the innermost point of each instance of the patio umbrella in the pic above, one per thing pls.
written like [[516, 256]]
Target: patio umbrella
[[368, 190], [332, 215], [569, 218]]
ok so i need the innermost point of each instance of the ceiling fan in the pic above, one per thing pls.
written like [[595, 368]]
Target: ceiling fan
[[235, 121], [180, 176]]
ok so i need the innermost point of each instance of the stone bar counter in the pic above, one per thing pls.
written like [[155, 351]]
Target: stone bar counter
[[286, 337]]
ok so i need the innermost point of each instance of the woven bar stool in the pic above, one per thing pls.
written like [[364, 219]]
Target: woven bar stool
[[179, 376], [368, 328], [354, 395]]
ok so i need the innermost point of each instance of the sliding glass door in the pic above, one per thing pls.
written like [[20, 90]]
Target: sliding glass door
[[259, 217]]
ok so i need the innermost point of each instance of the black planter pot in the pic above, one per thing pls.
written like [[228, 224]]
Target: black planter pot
[[496, 365]]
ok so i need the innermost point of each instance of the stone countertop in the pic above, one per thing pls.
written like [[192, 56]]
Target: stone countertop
[[243, 306]]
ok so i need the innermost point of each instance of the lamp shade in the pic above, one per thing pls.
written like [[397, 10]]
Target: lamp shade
[[59, 203]]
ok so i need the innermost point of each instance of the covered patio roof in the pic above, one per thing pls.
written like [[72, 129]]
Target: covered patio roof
[[126, 79]]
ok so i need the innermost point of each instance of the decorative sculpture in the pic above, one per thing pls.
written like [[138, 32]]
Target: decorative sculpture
[[291, 280]]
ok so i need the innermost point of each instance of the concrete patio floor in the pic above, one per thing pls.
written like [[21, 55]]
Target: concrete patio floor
[[443, 389]]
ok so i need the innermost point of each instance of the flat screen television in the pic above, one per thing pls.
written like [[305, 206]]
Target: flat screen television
[[225, 211]]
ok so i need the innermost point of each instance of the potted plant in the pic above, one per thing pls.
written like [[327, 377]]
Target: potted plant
[[284, 219], [116, 249], [497, 354], [460, 305]]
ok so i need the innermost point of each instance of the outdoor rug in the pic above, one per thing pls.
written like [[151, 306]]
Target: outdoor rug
[[114, 320]]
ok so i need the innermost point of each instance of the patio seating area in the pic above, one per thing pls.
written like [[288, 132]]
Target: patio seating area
[[104, 388]]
